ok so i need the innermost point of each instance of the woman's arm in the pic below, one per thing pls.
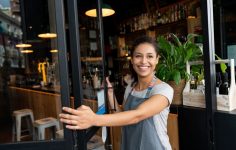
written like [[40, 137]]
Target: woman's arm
[[84, 117], [113, 104]]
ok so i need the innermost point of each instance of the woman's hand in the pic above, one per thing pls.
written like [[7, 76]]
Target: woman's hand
[[109, 86], [80, 118]]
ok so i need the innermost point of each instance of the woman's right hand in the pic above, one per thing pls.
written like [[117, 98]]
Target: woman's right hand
[[109, 86]]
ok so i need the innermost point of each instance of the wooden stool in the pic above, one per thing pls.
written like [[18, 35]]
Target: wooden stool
[[18, 115], [44, 123]]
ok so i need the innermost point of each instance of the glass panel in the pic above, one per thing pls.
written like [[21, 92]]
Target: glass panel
[[91, 57], [30, 98], [225, 21]]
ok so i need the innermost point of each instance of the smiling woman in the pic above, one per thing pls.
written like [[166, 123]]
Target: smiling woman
[[145, 110]]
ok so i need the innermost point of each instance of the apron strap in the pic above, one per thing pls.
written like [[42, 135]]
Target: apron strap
[[150, 87]]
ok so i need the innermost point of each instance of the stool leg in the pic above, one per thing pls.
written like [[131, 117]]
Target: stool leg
[[13, 129], [41, 133], [18, 128], [53, 132], [29, 125], [35, 137], [57, 127]]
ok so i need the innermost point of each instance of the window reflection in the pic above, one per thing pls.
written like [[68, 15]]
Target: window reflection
[[30, 98]]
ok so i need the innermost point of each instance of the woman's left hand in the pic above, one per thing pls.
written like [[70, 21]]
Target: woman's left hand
[[80, 118]]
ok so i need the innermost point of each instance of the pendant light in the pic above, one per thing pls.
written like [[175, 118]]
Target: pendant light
[[47, 35], [23, 45], [26, 51], [53, 51], [106, 11]]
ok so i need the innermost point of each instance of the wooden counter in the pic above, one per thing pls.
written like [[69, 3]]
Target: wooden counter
[[43, 104]]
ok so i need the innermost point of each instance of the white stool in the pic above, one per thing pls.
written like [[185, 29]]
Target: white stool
[[44, 123], [60, 134], [17, 116]]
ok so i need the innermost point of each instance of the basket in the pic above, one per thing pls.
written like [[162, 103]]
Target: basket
[[178, 92], [196, 98]]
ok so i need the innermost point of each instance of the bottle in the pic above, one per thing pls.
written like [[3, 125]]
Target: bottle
[[84, 81], [218, 82], [224, 87], [193, 84], [96, 79]]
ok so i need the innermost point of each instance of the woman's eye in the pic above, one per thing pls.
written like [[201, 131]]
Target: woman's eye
[[150, 56], [137, 56]]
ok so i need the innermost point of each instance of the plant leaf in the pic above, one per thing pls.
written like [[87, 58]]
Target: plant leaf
[[176, 39], [223, 66], [176, 76]]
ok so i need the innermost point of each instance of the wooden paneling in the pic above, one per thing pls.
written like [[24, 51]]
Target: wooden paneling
[[173, 131], [43, 104]]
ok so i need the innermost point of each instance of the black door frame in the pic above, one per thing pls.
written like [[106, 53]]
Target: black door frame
[[209, 69], [70, 141], [83, 136]]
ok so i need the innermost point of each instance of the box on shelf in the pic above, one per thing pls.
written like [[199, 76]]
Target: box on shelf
[[196, 98]]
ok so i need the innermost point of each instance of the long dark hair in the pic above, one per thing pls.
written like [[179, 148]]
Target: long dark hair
[[136, 43]]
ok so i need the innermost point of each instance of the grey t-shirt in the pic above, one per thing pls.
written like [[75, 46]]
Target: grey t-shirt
[[159, 119]]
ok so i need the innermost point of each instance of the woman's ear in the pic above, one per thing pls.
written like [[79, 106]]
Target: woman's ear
[[157, 59]]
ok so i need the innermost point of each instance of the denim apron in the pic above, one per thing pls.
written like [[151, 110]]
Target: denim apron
[[143, 135]]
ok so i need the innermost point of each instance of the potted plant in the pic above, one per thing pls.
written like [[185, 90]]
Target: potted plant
[[174, 56]]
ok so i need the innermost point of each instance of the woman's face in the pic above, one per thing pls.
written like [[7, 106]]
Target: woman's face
[[144, 59]]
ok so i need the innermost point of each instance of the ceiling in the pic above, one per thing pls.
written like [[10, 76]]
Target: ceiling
[[123, 8]]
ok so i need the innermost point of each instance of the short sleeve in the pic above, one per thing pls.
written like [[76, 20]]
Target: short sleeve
[[163, 89]]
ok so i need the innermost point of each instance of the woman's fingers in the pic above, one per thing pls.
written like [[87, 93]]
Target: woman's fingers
[[69, 121], [80, 118], [108, 82], [68, 116], [73, 127], [70, 110]]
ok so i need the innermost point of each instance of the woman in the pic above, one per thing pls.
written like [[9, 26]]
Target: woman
[[145, 109]]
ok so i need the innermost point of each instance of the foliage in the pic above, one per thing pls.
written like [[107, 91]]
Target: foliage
[[223, 66], [198, 72], [174, 55]]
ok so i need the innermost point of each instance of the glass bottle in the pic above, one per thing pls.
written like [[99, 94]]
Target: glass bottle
[[193, 84], [224, 87], [218, 82]]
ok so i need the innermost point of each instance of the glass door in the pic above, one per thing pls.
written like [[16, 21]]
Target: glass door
[[34, 76]]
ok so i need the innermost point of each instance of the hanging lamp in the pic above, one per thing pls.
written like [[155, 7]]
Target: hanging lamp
[[53, 51], [106, 11], [23, 45], [26, 51], [47, 35]]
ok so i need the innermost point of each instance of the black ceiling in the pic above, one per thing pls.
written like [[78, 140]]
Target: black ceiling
[[36, 13], [123, 8]]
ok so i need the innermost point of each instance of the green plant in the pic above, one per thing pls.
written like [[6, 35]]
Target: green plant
[[174, 55], [198, 72], [223, 66]]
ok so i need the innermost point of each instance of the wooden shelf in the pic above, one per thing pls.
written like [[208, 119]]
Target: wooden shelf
[[91, 59]]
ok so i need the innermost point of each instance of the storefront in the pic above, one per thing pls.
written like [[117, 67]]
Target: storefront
[[67, 67]]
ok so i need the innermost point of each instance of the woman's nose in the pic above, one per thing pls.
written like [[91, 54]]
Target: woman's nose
[[144, 60]]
